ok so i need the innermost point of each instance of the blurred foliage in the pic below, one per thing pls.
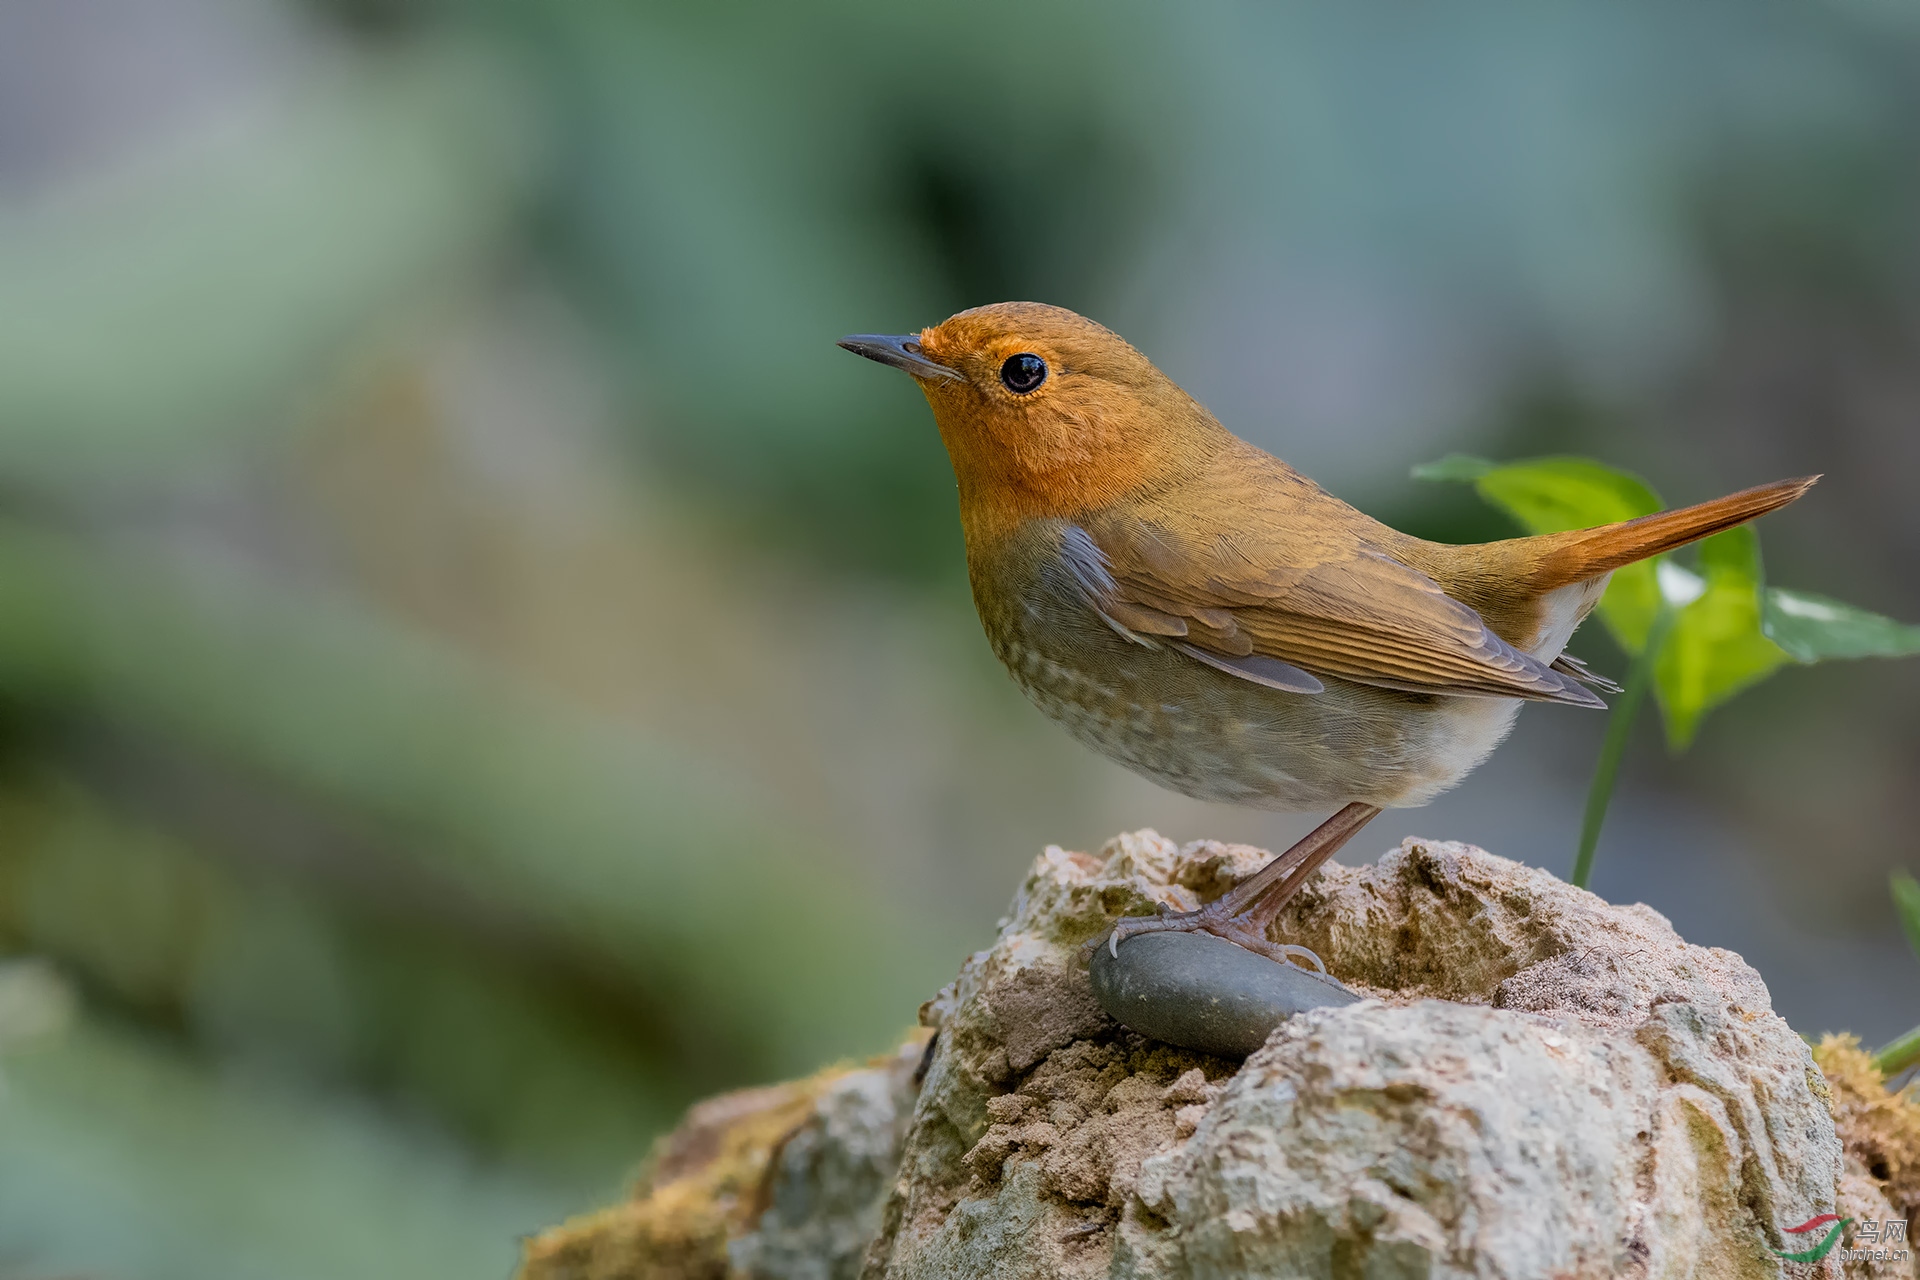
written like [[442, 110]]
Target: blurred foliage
[[1904, 1053], [183, 305], [340, 943], [1906, 902], [581, 826], [124, 1159], [336, 989]]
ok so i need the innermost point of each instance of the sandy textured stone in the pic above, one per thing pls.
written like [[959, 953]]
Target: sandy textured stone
[[1542, 1085]]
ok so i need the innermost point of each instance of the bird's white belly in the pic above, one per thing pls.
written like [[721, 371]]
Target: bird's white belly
[[1562, 611]]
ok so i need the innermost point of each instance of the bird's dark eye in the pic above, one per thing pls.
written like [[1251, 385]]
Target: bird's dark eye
[[1024, 372]]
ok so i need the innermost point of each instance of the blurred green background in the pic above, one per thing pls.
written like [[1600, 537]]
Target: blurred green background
[[479, 669]]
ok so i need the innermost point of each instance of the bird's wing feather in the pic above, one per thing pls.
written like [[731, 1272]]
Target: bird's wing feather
[[1336, 607], [1568, 665]]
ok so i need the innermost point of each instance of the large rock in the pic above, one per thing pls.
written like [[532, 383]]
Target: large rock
[[1538, 1084], [1543, 1085]]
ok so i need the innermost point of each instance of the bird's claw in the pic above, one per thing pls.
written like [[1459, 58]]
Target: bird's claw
[[1212, 919]]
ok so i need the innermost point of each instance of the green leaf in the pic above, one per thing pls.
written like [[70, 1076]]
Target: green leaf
[[1550, 495], [1553, 495], [1906, 901], [1455, 466], [1630, 605], [1716, 647], [1813, 628], [1894, 1058]]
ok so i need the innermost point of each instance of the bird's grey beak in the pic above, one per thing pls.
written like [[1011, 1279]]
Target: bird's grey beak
[[901, 350]]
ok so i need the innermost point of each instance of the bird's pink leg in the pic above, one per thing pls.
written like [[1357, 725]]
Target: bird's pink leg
[[1242, 914]]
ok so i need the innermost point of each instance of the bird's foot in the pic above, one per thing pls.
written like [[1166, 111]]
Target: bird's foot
[[1218, 919], [1243, 914]]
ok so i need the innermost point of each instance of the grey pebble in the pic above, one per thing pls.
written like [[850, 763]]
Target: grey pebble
[[1202, 992]]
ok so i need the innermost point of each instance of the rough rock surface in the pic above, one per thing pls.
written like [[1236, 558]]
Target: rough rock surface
[[1539, 1085], [1545, 1085], [781, 1183], [828, 1183]]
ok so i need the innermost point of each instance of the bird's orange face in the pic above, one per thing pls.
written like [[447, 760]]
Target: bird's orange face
[[1043, 412]]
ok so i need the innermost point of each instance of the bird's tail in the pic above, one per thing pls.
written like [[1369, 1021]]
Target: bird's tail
[[1563, 558]]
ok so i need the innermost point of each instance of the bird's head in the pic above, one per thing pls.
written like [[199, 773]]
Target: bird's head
[[1044, 412]]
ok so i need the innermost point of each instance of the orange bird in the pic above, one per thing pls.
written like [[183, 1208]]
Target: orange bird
[[1192, 607]]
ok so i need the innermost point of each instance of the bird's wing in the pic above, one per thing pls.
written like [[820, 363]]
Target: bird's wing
[[1568, 665], [1280, 610]]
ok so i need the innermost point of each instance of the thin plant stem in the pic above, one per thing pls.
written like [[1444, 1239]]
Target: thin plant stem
[[1898, 1056], [1619, 732]]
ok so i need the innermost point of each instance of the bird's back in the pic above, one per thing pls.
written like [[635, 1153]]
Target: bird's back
[[1526, 589], [1280, 519]]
